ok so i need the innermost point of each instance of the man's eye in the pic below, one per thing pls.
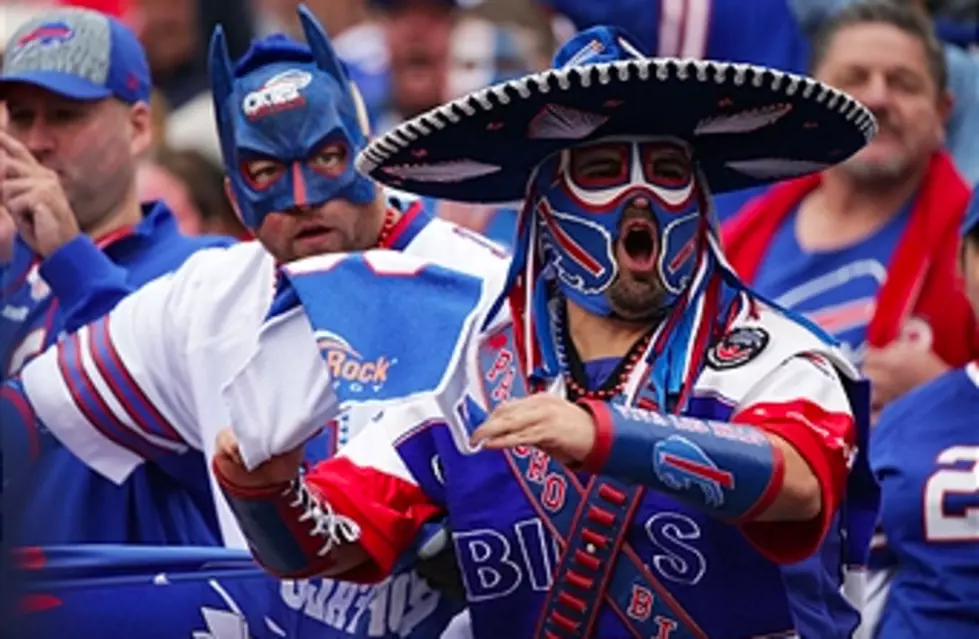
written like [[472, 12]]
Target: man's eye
[[330, 159], [604, 168], [263, 173], [670, 169]]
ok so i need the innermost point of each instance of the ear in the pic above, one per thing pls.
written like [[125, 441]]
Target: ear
[[232, 200], [141, 128]]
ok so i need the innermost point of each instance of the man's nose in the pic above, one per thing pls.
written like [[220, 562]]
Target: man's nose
[[640, 202], [875, 94]]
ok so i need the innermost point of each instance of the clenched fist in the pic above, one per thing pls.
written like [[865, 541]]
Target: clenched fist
[[280, 469]]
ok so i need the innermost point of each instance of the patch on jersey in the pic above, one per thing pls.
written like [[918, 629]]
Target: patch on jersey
[[737, 348]]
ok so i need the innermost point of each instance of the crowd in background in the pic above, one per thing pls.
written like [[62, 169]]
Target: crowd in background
[[840, 240], [407, 56]]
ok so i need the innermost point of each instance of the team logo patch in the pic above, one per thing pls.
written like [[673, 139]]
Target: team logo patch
[[281, 92], [45, 35], [737, 348], [683, 465]]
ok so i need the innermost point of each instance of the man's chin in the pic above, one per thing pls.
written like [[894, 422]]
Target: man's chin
[[636, 302], [867, 171], [319, 244]]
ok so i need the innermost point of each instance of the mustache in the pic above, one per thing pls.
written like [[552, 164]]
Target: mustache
[[885, 122]]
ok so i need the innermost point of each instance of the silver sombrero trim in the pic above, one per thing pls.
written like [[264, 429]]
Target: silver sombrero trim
[[683, 69]]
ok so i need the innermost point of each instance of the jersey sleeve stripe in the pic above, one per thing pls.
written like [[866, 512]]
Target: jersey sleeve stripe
[[27, 418], [141, 410], [93, 407]]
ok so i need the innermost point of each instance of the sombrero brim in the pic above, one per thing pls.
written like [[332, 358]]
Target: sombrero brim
[[748, 125]]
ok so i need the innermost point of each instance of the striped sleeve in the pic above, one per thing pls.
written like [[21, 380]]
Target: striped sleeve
[[111, 391]]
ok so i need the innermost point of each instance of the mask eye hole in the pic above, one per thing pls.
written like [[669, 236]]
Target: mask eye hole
[[600, 166], [330, 159], [261, 173], [667, 166]]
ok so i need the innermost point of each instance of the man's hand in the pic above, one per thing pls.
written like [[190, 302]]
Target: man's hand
[[281, 469], [554, 425], [897, 368], [8, 230], [33, 196], [8, 233]]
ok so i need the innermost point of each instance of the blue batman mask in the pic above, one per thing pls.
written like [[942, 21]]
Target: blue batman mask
[[290, 124]]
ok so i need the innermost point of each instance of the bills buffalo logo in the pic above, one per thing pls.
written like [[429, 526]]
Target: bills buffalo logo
[[45, 35], [683, 465], [737, 348]]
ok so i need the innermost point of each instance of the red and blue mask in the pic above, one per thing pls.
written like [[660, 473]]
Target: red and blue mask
[[619, 204], [290, 124]]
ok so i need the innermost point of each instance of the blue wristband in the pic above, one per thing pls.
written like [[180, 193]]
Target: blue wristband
[[729, 470]]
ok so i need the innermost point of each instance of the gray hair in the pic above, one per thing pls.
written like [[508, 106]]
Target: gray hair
[[900, 14]]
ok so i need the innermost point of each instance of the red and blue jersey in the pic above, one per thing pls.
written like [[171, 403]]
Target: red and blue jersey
[[836, 289], [42, 300], [924, 451]]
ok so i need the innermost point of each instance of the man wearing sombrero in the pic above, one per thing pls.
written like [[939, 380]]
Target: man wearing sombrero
[[635, 445]]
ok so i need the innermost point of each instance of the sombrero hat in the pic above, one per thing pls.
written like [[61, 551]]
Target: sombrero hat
[[748, 125]]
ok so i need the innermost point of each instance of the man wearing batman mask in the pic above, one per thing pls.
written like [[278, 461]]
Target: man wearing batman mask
[[290, 124]]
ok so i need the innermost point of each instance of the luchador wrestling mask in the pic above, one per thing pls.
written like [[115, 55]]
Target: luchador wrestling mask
[[290, 124], [617, 208]]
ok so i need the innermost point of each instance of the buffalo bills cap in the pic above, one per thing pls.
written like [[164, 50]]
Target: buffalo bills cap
[[79, 54]]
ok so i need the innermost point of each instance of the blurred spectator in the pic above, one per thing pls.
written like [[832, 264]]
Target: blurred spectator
[[867, 249], [193, 188], [760, 31], [924, 452], [170, 32], [963, 69], [482, 53], [418, 35], [77, 85]]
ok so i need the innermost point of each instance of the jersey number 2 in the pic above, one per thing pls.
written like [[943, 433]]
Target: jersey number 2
[[940, 525]]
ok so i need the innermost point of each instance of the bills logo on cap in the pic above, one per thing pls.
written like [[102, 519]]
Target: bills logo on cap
[[45, 35], [737, 348], [281, 92]]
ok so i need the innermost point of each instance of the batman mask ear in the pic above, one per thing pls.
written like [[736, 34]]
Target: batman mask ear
[[323, 53], [222, 86], [363, 119]]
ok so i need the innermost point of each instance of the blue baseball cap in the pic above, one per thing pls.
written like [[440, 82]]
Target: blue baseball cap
[[79, 54], [971, 219]]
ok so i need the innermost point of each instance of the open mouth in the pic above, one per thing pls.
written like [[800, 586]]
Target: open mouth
[[638, 242]]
